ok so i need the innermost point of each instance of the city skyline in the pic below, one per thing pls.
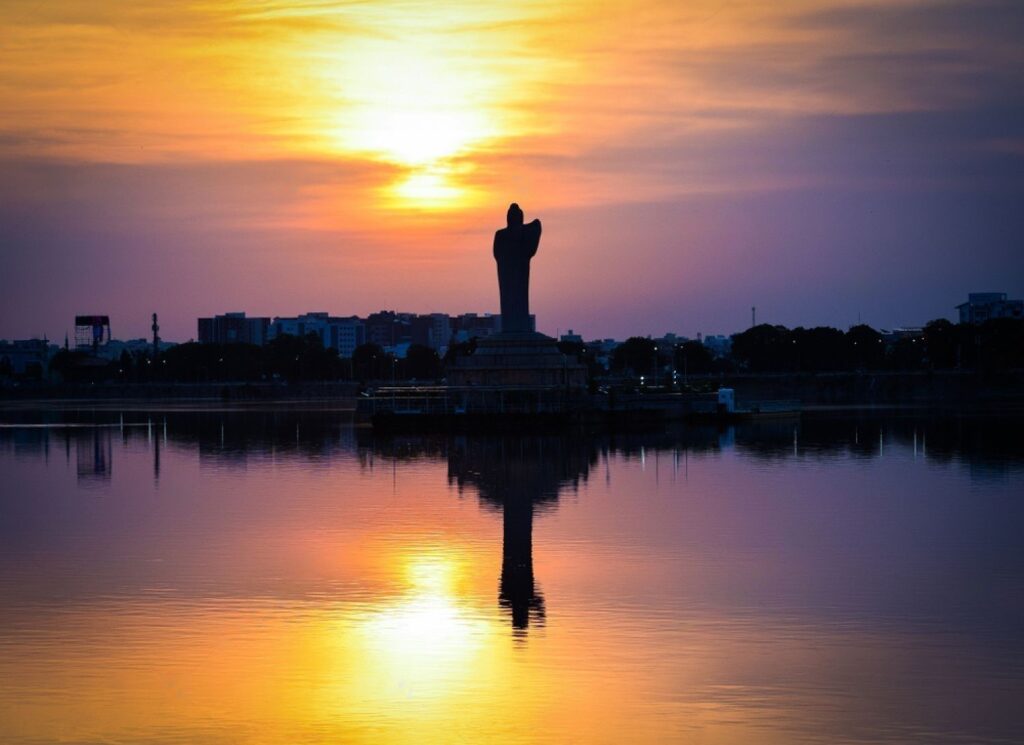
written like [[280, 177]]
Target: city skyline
[[822, 161], [273, 318]]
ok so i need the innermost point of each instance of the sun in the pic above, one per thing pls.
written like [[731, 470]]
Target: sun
[[422, 101], [430, 188], [411, 106]]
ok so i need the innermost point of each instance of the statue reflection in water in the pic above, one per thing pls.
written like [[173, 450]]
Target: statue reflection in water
[[521, 477]]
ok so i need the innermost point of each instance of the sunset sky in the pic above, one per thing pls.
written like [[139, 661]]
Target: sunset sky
[[819, 160]]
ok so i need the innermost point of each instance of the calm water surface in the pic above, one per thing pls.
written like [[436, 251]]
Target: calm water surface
[[279, 577]]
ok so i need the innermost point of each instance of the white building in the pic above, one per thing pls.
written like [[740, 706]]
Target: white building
[[440, 332], [983, 306], [341, 334]]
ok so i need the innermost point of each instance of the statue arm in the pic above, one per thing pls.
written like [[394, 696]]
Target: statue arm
[[534, 231]]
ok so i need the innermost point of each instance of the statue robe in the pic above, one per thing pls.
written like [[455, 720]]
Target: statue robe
[[514, 246]]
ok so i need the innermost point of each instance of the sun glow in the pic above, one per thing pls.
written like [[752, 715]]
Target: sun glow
[[420, 94], [415, 108], [427, 643], [433, 188]]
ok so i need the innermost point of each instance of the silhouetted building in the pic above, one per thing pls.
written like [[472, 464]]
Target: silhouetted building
[[983, 306], [441, 329], [719, 346], [347, 334], [419, 330], [113, 349], [24, 357], [388, 329], [432, 330], [903, 333], [603, 350], [470, 325], [670, 340], [234, 328], [342, 334], [91, 332]]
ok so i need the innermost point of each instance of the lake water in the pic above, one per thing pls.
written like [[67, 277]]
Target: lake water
[[280, 577]]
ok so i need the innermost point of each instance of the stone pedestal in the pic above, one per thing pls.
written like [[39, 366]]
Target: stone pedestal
[[518, 360]]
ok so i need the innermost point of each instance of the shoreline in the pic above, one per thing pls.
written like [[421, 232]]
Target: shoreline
[[1001, 392]]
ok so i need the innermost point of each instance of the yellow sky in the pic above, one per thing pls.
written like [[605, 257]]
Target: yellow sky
[[456, 101]]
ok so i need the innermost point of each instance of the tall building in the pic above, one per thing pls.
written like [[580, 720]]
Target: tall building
[[388, 329], [470, 325], [982, 306], [347, 334], [440, 332], [433, 330], [343, 334], [307, 323], [234, 328]]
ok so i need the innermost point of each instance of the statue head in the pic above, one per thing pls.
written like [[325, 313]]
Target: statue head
[[515, 216]]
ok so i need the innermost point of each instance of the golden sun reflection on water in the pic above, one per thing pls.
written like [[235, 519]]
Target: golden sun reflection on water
[[428, 639]]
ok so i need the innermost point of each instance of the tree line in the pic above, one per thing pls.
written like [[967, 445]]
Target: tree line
[[994, 345], [997, 344], [284, 358]]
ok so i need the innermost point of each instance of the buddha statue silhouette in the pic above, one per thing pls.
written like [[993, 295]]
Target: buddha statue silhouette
[[514, 246]]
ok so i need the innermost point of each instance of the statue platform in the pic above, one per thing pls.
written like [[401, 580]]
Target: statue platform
[[517, 360]]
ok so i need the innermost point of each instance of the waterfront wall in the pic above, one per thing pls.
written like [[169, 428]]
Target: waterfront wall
[[276, 391], [945, 388]]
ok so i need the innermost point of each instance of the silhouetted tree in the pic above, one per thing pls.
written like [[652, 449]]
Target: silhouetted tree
[[693, 358], [763, 348], [459, 349], [941, 340], [1000, 344], [371, 362], [125, 365], [421, 363], [637, 354], [301, 358], [582, 353], [907, 353], [572, 349], [818, 349], [865, 348], [194, 362], [75, 367]]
